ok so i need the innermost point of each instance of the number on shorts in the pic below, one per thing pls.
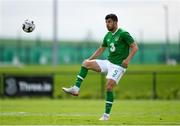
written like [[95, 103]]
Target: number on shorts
[[115, 73]]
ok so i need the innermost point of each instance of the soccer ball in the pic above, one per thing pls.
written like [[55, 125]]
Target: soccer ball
[[28, 26]]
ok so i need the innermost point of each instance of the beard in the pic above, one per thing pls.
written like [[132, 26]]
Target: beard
[[111, 28]]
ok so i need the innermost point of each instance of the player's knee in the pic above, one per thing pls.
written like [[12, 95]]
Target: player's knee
[[86, 64], [109, 87]]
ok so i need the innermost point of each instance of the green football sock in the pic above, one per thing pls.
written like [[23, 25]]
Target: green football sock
[[80, 77], [109, 101]]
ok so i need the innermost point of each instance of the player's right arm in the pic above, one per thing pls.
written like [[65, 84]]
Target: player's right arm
[[97, 53], [100, 50]]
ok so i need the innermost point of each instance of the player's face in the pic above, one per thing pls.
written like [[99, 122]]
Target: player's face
[[111, 25]]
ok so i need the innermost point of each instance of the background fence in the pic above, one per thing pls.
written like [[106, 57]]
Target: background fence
[[134, 84]]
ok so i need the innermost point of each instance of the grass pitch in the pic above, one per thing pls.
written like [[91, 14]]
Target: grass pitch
[[87, 112]]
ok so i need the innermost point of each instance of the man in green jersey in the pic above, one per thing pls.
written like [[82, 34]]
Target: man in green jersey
[[121, 48]]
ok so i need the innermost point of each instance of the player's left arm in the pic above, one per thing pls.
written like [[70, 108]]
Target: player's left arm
[[134, 49]]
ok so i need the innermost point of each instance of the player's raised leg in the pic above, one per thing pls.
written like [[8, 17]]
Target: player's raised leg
[[86, 65]]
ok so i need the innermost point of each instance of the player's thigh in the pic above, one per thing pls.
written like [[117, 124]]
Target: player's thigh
[[103, 65], [92, 65], [115, 73]]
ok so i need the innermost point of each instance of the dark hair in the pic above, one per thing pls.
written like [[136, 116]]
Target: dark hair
[[112, 16]]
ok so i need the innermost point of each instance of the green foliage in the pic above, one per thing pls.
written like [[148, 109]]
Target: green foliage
[[71, 52]]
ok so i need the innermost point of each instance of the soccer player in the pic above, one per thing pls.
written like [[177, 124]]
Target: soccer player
[[121, 48]]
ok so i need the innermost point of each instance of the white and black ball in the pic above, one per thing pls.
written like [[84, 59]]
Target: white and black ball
[[28, 26]]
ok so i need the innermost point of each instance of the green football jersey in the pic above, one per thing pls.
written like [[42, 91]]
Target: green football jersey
[[118, 44]]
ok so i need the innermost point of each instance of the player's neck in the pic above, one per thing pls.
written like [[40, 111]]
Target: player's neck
[[115, 30]]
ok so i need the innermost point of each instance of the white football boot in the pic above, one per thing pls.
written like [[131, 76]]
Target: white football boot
[[72, 90], [105, 117]]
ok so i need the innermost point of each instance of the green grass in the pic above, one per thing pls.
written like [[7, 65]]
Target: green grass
[[131, 86], [81, 112]]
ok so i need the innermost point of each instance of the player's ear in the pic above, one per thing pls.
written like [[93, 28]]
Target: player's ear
[[115, 22]]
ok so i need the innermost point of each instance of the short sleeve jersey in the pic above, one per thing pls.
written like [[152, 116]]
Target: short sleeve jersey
[[118, 45]]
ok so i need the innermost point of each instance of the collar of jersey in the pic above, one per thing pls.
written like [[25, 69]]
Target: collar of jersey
[[115, 31]]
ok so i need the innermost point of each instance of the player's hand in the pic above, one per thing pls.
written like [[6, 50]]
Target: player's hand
[[125, 63]]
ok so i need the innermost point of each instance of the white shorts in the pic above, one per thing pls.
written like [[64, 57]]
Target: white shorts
[[113, 71]]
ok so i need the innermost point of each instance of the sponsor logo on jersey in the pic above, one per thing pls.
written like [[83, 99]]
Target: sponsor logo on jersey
[[117, 38]]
